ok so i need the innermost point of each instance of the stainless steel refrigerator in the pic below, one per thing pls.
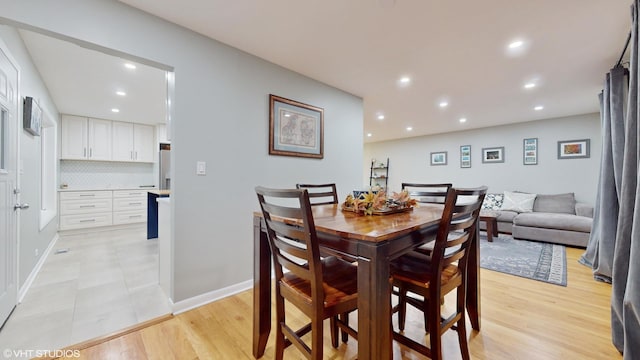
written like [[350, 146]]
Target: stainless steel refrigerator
[[165, 167]]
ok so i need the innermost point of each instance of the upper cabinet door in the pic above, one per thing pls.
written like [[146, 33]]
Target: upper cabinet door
[[143, 142], [122, 141], [74, 140], [99, 139]]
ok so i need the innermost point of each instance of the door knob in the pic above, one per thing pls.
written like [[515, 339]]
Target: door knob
[[20, 206]]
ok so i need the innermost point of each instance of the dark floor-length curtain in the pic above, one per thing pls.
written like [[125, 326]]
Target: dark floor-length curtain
[[599, 253], [618, 188]]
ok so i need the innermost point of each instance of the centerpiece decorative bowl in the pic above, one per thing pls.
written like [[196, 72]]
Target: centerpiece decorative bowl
[[377, 203]]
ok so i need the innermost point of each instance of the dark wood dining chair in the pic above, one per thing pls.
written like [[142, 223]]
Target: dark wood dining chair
[[427, 193], [321, 194], [322, 288], [325, 194], [439, 273]]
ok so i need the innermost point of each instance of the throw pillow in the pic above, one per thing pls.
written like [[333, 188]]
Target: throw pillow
[[492, 202], [557, 203], [518, 202]]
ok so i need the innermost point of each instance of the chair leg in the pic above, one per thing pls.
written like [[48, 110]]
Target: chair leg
[[334, 331], [425, 314], [462, 338], [402, 307], [461, 324], [316, 338], [345, 319], [280, 315], [433, 310]]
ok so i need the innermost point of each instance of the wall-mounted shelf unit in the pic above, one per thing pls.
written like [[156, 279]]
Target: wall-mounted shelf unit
[[379, 174]]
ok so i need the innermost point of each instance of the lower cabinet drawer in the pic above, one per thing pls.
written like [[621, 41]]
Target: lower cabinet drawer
[[129, 217], [78, 207], [68, 222], [129, 204]]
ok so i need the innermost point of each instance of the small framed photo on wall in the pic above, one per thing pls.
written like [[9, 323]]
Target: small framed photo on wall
[[574, 149], [493, 155], [465, 156], [439, 158], [530, 151]]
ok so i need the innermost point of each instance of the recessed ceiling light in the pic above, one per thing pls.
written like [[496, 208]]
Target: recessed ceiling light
[[405, 80], [538, 108], [409, 128], [516, 44], [115, 110], [369, 135], [129, 66], [380, 117], [121, 93], [443, 104], [287, 115], [529, 85], [463, 120]]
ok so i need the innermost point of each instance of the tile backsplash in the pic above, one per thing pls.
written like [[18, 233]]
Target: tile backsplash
[[84, 174]]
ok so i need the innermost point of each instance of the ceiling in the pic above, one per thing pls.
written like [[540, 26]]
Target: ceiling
[[451, 50], [84, 82]]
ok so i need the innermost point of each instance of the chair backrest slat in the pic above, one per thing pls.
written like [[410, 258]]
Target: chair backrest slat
[[457, 227], [320, 194], [427, 193], [286, 230], [292, 236]]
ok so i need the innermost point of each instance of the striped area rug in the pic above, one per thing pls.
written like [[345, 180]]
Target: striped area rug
[[529, 259]]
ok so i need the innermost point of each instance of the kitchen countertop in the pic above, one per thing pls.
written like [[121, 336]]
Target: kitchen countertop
[[160, 192], [107, 188]]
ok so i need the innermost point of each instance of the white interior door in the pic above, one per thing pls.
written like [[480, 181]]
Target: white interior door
[[8, 185]]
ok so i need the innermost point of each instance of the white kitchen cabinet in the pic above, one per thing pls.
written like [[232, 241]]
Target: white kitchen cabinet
[[129, 206], [85, 209], [133, 142], [74, 137], [143, 142], [89, 209], [85, 139], [122, 141]]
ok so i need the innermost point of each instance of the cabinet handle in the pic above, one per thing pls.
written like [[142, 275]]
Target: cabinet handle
[[87, 194], [135, 203], [90, 220], [134, 216], [135, 193], [131, 155], [90, 152], [84, 152], [87, 206], [136, 155]]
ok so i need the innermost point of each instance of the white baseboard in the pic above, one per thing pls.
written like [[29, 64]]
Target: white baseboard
[[36, 269], [196, 301]]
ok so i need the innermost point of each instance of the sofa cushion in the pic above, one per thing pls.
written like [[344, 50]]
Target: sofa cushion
[[505, 215], [583, 209], [558, 203], [554, 221], [519, 202], [492, 202]]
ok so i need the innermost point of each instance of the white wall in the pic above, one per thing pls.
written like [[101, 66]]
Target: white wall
[[221, 117], [31, 237], [409, 158]]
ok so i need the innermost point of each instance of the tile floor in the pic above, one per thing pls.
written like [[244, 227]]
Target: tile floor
[[105, 282]]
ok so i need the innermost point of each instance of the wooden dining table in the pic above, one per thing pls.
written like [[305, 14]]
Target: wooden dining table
[[373, 241]]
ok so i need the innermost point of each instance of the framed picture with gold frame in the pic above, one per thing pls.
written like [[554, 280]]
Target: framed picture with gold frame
[[295, 128]]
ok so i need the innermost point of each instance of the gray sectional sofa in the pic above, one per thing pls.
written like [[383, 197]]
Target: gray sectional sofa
[[554, 218]]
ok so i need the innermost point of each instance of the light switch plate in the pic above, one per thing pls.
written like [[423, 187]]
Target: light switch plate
[[201, 168]]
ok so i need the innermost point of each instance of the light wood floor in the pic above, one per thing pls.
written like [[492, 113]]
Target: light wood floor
[[521, 319]]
